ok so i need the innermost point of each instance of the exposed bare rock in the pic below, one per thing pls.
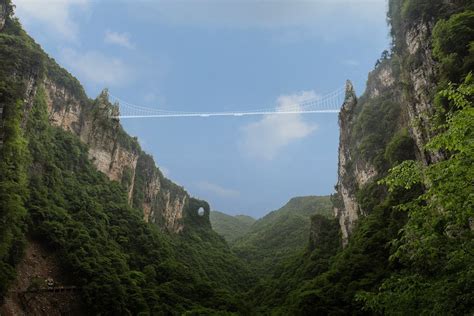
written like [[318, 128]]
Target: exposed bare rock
[[419, 101], [162, 201], [348, 212], [414, 69], [379, 80], [112, 151], [64, 109], [353, 171], [173, 212]]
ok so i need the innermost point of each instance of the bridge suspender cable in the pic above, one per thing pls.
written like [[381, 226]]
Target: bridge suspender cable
[[329, 103]]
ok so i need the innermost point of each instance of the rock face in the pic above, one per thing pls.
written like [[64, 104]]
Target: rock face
[[118, 155], [354, 172], [348, 211], [162, 201], [111, 150], [407, 78], [418, 102]]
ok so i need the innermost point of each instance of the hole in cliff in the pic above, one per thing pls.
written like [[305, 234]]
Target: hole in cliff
[[201, 211]]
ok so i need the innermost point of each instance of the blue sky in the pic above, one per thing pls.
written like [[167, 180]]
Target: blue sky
[[211, 55]]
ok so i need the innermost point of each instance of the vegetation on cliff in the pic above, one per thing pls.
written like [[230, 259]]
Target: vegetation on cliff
[[411, 252], [51, 192], [434, 249]]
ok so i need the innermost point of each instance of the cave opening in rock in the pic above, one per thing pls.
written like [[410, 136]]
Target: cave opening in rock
[[200, 211]]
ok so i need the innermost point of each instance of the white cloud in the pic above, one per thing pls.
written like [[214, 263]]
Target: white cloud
[[121, 39], [265, 138], [96, 67], [55, 15], [217, 190]]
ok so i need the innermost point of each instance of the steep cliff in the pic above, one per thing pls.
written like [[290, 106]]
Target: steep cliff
[[402, 90], [111, 150], [117, 155], [404, 197], [366, 126], [162, 201]]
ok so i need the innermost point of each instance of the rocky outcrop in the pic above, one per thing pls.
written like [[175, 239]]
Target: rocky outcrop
[[110, 148], [162, 201], [380, 79], [118, 156], [348, 211], [354, 171], [408, 79], [65, 110], [95, 129], [418, 102]]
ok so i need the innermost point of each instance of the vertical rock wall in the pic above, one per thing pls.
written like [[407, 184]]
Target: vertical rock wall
[[409, 78], [113, 152], [354, 172], [418, 101]]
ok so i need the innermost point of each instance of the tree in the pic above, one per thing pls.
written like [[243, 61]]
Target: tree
[[435, 246]]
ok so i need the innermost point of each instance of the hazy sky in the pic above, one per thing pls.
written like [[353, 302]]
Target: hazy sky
[[221, 55]]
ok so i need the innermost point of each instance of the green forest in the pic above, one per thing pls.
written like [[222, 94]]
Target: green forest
[[411, 253], [230, 227]]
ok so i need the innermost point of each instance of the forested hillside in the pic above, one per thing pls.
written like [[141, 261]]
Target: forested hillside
[[281, 233], [230, 227]]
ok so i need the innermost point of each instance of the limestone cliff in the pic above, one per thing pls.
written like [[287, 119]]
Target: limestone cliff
[[399, 97], [421, 83], [117, 155], [355, 170], [348, 211], [162, 201], [111, 149]]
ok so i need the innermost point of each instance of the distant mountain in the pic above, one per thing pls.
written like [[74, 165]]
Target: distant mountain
[[230, 227], [281, 233]]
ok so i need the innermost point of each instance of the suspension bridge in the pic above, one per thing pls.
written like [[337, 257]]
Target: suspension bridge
[[328, 103]]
